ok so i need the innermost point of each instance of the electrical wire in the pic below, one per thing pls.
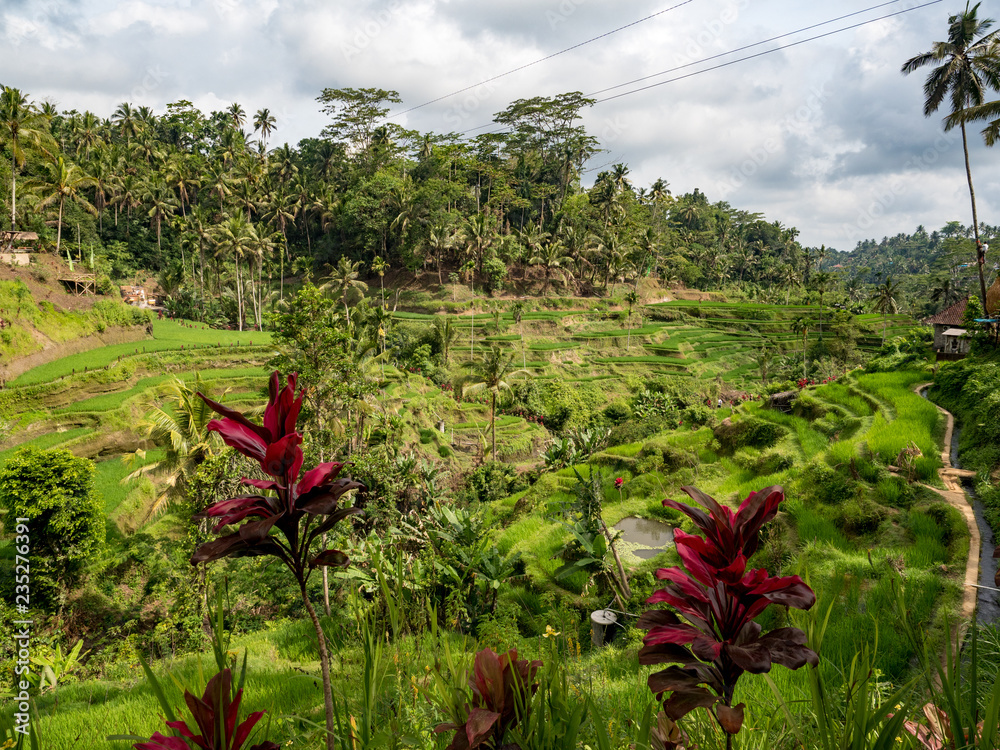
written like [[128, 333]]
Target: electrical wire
[[541, 60], [741, 49], [741, 59], [767, 52]]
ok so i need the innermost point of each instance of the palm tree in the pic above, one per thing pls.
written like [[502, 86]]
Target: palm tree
[[264, 122], [630, 298], [181, 426], [65, 181], [966, 68], [237, 115], [345, 277], [552, 256], [22, 125], [517, 312], [883, 299], [438, 242], [801, 325], [379, 266], [446, 333], [820, 283], [945, 293], [233, 238], [491, 373], [162, 205]]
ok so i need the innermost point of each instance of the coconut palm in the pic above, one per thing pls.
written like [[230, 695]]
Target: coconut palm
[[883, 298], [233, 239], [379, 266], [630, 299], [345, 277], [446, 333], [264, 122], [439, 241], [180, 426], [490, 376], [64, 182], [517, 312], [945, 293], [552, 256], [21, 125], [967, 67], [801, 325]]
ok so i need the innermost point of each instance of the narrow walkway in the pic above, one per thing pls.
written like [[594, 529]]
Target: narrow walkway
[[956, 497]]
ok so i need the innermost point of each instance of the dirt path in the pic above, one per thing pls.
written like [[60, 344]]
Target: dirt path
[[956, 497]]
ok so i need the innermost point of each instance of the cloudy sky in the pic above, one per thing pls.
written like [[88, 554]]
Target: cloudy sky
[[825, 135]]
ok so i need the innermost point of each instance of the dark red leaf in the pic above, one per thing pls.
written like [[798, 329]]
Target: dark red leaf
[[323, 500], [731, 719], [330, 557], [478, 725], [322, 474], [682, 703]]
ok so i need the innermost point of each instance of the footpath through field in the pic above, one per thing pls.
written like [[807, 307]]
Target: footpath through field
[[956, 497]]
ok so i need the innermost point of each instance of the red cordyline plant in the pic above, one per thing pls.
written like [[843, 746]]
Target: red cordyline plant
[[499, 684], [296, 512], [215, 716], [718, 598]]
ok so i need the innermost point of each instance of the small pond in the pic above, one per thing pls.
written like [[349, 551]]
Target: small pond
[[645, 537]]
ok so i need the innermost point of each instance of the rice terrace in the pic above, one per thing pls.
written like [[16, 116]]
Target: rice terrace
[[424, 435]]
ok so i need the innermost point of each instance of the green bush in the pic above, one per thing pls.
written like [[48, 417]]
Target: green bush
[[617, 412], [748, 432], [493, 481], [859, 515], [635, 430], [671, 458], [820, 482], [764, 463]]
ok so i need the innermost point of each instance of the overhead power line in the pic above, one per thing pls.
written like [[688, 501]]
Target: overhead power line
[[765, 52], [542, 59], [741, 59], [741, 49]]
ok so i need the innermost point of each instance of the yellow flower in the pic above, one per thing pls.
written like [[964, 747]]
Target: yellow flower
[[550, 632]]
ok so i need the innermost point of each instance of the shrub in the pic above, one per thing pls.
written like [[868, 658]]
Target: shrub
[[859, 515], [820, 482], [617, 412], [493, 481], [634, 431], [671, 457], [748, 432], [763, 464]]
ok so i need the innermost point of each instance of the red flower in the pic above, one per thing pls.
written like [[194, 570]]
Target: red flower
[[619, 482]]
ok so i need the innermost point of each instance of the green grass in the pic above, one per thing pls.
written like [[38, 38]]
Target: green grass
[[168, 335], [49, 440]]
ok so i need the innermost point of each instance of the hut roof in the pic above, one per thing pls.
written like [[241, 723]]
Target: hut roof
[[951, 316]]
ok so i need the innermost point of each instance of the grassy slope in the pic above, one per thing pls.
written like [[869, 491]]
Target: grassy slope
[[573, 343]]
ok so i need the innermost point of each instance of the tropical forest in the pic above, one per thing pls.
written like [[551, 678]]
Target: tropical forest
[[399, 439]]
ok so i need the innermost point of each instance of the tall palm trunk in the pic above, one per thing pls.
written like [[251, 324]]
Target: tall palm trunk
[[493, 424], [13, 190], [980, 255], [59, 227]]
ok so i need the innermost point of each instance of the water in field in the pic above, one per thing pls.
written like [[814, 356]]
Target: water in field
[[651, 537]]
